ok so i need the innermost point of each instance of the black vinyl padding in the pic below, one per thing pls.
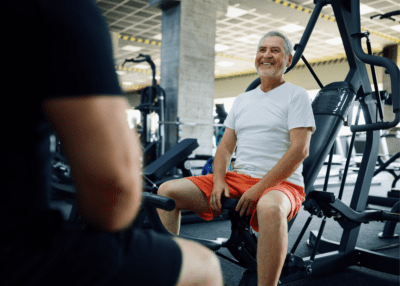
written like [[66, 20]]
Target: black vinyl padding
[[330, 107], [173, 157]]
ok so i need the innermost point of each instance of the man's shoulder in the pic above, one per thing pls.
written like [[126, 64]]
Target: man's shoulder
[[294, 87]]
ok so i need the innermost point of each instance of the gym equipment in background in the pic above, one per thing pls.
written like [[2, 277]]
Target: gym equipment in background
[[330, 107], [152, 100]]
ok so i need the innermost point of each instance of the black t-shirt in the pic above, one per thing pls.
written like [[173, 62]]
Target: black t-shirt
[[50, 49]]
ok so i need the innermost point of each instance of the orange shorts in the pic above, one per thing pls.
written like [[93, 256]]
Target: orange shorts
[[238, 184]]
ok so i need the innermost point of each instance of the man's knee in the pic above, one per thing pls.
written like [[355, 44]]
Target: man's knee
[[165, 189], [275, 205], [171, 189], [200, 266]]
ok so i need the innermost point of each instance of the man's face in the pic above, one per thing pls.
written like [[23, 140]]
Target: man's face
[[271, 59]]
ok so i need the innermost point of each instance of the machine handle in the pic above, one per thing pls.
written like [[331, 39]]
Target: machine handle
[[160, 202], [390, 66]]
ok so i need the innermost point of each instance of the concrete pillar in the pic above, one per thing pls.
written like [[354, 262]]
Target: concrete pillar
[[115, 42], [187, 68]]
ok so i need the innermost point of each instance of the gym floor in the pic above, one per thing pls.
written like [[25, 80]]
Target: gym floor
[[367, 239]]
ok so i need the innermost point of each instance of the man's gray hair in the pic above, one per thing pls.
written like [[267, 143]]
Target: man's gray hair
[[286, 42]]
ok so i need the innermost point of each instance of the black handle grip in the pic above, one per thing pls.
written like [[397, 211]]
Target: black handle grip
[[160, 202]]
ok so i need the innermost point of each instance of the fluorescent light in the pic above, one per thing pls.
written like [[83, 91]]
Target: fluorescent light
[[121, 72], [127, 83], [396, 28], [364, 9], [334, 41], [220, 48], [291, 28], [131, 48], [234, 12], [251, 39], [158, 37], [142, 67], [225, 64]]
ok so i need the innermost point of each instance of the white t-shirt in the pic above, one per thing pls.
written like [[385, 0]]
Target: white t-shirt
[[262, 121]]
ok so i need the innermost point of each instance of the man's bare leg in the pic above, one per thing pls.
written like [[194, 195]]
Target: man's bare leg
[[272, 211], [187, 197], [200, 266]]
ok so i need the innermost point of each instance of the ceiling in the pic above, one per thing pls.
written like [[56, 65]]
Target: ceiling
[[139, 26]]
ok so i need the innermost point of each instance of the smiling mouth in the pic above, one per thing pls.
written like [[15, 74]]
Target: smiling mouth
[[266, 63]]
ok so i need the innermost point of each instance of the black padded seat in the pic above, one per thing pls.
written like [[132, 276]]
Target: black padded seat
[[173, 157]]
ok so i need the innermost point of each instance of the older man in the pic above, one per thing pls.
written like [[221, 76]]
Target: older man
[[271, 127]]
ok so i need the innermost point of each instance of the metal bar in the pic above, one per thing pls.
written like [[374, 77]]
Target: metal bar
[[328, 171], [296, 244], [189, 123], [387, 163], [390, 66], [307, 33], [321, 230], [312, 71], [346, 168], [323, 264], [377, 95]]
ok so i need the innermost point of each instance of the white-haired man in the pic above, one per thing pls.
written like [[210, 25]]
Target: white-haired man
[[271, 126]]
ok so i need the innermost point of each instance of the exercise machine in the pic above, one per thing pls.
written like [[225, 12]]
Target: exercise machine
[[152, 100], [331, 106]]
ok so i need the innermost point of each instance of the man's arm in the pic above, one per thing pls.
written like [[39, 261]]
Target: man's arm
[[300, 143], [224, 154], [221, 163], [104, 157]]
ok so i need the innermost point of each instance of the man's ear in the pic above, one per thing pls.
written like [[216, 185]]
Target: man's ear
[[290, 60]]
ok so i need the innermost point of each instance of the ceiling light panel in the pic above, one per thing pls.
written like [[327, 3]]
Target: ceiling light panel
[[131, 48], [364, 9], [225, 64], [334, 41], [291, 28], [234, 12], [220, 48]]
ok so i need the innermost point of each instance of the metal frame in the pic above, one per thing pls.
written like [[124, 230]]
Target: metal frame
[[333, 255]]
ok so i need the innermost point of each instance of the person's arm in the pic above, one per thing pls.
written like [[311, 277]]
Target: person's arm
[[224, 154], [104, 155], [300, 143], [222, 160]]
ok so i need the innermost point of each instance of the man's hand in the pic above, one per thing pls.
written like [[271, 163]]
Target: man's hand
[[247, 200], [219, 188]]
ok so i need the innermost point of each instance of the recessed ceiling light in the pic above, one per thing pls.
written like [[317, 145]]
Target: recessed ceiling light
[[220, 48], [364, 9], [291, 28], [225, 64], [251, 39], [396, 28], [334, 41], [158, 37], [131, 48], [142, 66], [121, 72], [234, 12]]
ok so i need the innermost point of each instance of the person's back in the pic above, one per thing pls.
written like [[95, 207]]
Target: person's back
[[70, 86]]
